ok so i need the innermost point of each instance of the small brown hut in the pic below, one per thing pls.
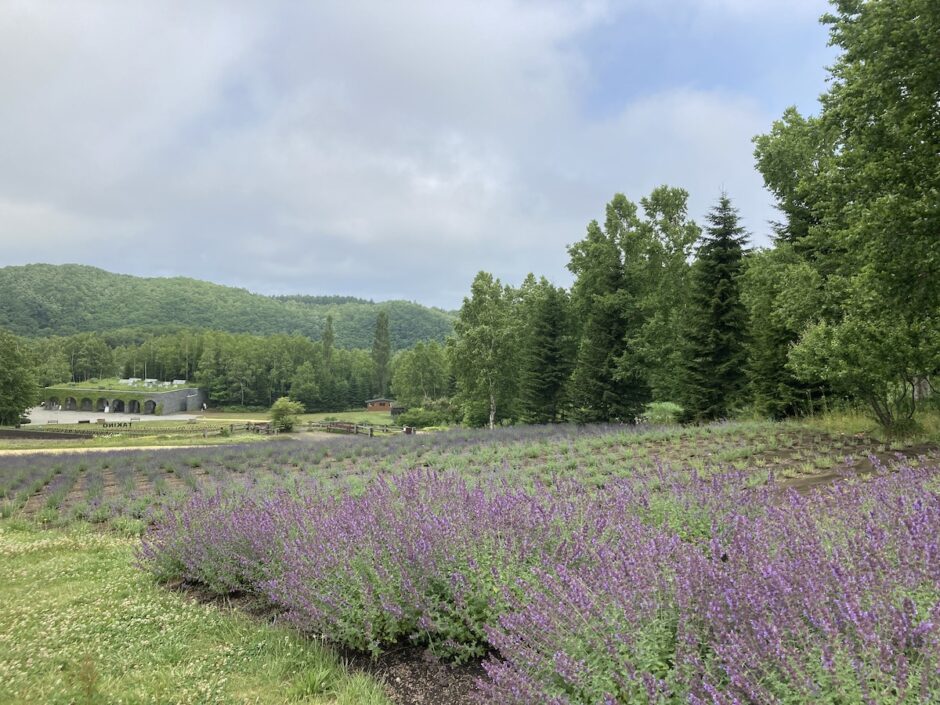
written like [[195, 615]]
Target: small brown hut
[[379, 404]]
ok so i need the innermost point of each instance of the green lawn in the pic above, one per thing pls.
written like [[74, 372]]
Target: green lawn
[[114, 384], [80, 624]]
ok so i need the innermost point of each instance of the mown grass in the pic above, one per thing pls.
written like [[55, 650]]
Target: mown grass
[[81, 624]]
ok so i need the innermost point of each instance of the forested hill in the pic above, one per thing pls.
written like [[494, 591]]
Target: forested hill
[[45, 299]]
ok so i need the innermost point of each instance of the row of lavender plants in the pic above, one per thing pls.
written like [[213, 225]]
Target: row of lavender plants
[[663, 588], [55, 489]]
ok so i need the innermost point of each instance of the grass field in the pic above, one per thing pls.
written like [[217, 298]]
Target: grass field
[[80, 624]]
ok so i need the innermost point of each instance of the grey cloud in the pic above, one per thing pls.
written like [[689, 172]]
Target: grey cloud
[[375, 149]]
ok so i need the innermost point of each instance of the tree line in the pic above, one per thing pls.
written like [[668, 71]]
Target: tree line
[[845, 303], [235, 369]]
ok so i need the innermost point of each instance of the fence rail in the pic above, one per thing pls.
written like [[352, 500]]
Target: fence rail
[[352, 429]]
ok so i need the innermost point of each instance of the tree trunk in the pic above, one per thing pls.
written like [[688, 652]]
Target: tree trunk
[[492, 410]]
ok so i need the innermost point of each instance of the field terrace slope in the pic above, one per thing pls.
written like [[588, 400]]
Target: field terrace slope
[[46, 300]]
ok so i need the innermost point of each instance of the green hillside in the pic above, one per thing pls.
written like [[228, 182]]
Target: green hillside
[[45, 299]]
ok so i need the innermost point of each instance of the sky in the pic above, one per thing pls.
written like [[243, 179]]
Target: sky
[[386, 150]]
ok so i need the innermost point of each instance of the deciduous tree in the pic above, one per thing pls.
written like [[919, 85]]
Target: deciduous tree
[[18, 388]]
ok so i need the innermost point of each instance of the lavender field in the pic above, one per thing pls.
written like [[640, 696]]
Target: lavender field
[[133, 487], [727, 564]]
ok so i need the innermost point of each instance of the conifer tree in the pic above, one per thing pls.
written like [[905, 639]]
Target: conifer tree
[[327, 340], [715, 353], [546, 350], [381, 354]]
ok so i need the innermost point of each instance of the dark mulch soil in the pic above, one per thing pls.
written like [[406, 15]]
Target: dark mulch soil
[[412, 677]]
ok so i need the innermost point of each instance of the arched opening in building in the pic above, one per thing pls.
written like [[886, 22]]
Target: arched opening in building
[[133, 407], [150, 406], [117, 406], [53, 403], [70, 404], [86, 404], [101, 404]]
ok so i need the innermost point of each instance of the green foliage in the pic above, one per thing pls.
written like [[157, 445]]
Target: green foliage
[[381, 354], [631, 294], [874, 356], [482, 352], [421, 374], [781, 293], [48, 300], [284, 413], [546, 349], [860, 190], [662, 413], [715, 373], [661, 264], [602, 297], [18, 388], [422, 418]]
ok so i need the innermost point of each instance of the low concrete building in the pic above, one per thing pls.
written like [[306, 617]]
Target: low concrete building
[[155, 401]]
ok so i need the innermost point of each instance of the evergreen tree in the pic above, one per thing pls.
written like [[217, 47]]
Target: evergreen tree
[[381, 354], [546, 350], [327, 341], [715, 362]]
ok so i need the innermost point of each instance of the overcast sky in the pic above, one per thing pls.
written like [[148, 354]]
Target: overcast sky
[[378, 149]]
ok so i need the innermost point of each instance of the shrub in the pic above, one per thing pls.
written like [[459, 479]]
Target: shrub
[[420, 417], [661, 413], [665, 588], [284, 413]]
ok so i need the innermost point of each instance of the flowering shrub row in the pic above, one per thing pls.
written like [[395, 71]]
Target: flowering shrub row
[[666, 588]]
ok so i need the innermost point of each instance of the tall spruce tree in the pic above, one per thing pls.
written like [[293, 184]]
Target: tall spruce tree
[[381, 354], [327, 340], [546, 350], [715, 352]]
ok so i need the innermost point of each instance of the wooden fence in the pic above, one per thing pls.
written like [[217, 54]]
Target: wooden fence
[[352, 429]]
